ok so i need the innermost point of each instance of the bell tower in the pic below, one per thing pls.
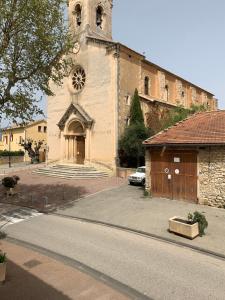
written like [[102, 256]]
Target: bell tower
[[91, 17]]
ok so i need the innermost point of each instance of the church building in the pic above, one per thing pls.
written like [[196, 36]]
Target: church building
[[89, 112]]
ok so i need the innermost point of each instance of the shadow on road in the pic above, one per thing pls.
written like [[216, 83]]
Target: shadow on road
[[21, 284]]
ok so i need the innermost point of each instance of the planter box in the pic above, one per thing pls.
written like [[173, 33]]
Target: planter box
[[182, 227], [2, 272]]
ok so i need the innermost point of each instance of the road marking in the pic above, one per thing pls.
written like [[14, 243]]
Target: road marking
[[17, 215]]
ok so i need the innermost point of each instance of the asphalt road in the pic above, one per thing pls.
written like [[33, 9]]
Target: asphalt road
[[154, 268]]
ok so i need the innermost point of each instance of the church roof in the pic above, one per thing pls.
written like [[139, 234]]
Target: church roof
[[205, 128]]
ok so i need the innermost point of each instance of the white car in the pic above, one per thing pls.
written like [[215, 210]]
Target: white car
[[138, 177]]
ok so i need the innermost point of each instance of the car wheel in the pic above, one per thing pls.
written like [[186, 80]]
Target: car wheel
[[130, 183], [143, 182]]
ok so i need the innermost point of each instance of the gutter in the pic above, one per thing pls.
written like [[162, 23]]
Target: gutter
[[182, 145]]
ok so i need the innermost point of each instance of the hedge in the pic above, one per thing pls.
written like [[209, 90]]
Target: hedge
[[11, 153]]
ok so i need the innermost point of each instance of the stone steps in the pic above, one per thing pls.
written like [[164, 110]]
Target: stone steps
[[71, 172]]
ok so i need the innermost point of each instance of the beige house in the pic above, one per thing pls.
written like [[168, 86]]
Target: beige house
[[14, 135], [88, 114]]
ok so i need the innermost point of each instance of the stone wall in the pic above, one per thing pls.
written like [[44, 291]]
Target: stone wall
[[148, 171], [212, 176], [14, 159]]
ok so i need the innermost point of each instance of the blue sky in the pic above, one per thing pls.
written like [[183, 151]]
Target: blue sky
[[185, 37]]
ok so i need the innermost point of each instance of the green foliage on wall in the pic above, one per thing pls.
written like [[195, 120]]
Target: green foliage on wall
[[180, 113]]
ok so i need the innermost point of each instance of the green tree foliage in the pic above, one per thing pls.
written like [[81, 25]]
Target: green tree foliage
[[130, 144], [33, 42], [180, 113], [136, 115]]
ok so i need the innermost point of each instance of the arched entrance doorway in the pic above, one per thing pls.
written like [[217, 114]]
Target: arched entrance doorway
[[75, 142]]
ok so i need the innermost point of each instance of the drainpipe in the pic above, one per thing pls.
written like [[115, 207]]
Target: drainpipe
[[117, 104]]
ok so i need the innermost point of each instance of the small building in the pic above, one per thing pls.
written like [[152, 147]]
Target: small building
[[13, 136], [187, 161]]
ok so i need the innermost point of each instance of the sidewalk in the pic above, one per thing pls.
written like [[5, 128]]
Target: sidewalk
[[31, 275], [126, 206], [18, 167]]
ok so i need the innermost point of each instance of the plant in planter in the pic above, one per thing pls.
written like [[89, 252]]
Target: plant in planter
[[2, 266], [9, 183], [199, 218], [183, 227]]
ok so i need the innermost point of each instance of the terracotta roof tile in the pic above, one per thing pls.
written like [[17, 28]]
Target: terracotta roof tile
[[201, 128]]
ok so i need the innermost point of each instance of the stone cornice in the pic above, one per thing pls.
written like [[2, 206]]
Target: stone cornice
[[80, 112]]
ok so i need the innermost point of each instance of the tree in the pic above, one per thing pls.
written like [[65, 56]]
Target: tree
[[34, 41], [136, 115], [130, 144], [33, 149], [131, 148]]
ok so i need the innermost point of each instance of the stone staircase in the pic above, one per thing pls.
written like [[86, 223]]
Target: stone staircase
[[69, 171]]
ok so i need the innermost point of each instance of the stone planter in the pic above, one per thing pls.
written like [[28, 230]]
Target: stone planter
[[2, 272], [183, 227]]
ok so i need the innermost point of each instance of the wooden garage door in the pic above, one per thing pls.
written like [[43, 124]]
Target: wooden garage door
[[174, 174]]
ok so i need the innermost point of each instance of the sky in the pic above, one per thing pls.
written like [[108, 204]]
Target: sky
[[184, 37]]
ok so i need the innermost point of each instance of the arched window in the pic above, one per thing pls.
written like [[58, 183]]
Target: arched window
[[78, 14], [99, 16], [146, 85]]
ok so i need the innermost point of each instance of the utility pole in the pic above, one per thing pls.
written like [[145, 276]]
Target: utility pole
[[10, 137]]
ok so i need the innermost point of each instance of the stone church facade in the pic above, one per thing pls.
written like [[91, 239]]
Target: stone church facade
[[88, 114]]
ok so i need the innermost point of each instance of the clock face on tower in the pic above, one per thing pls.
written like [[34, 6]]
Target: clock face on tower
[[76, 48]]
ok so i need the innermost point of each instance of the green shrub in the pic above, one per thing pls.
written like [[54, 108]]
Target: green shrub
[[11, 153], [2, 257], [201, 219]]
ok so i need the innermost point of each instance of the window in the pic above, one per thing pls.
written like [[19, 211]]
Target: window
[[78, 78], [45, 129], [11, 137], [6, 139], [99, 16], [20, 140], [39, 128], [78, 14], [127, 99], [127, 122], [146, 85]]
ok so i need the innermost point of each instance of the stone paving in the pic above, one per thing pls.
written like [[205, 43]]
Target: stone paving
[[48, 193], [31, 275]]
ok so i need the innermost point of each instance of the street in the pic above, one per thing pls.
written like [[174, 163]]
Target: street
[[156, 269]]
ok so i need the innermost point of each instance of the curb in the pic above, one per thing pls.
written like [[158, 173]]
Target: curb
[[105, 279], [146, 234]]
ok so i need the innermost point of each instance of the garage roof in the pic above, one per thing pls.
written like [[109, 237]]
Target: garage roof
[[205, 128]]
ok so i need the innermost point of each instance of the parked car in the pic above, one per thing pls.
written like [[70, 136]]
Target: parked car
[[138, 177]]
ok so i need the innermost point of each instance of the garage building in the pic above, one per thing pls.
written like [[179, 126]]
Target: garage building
[[187, 161]]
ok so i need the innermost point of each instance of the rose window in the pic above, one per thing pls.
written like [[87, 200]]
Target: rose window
[[78, 79]]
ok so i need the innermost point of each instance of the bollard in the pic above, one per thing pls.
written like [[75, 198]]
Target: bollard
[[45, 199]]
